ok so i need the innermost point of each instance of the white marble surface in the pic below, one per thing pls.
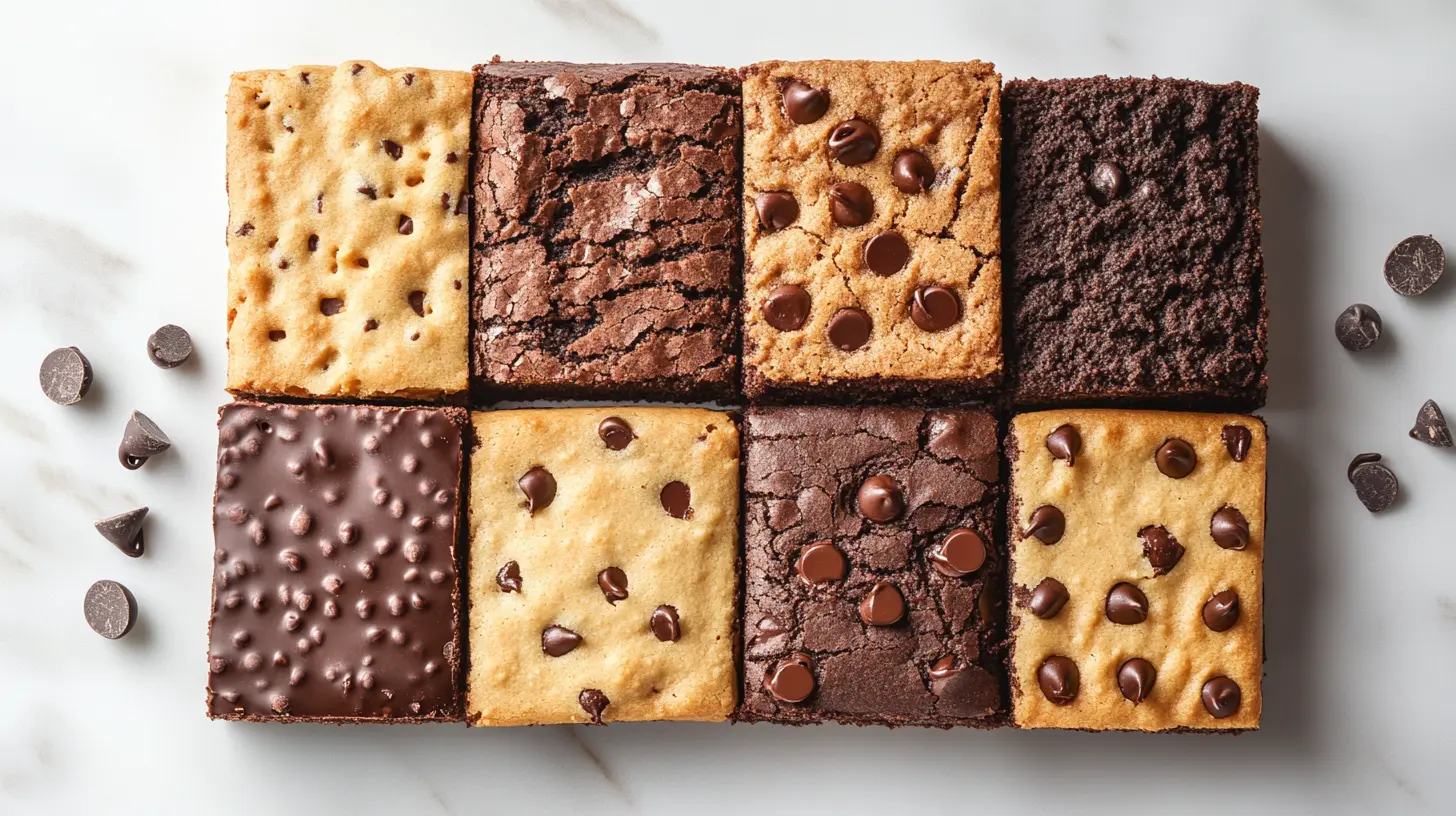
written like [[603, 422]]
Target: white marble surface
[[111, 222]]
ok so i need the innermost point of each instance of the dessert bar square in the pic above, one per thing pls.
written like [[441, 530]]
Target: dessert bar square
[[872, 218], [606, 232], [603, 581], [1137, 551], [348, 238], [1133, 256], [874, 583], [335, 591]]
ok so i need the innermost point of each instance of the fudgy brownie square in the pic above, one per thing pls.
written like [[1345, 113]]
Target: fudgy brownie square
[[1133, 259], [874, 583], [606, 235], [1137, 551], [335, 592]]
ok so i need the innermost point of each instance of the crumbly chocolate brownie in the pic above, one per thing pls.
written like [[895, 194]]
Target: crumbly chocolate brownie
[[873, 578], [1133, 260], [1137, 550], [606, 232], [872, 219], [335, 593]]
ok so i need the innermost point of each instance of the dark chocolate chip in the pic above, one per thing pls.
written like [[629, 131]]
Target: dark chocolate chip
[[786, 308], [960, 553], [851, 204], [1048, 598], [65, 376], [912, 173], [1238, 440], [935, 308], [665, 624], [1176, 458], [1375, 485], [1107, 181], [1415, 265], [406, 225], [1047, 524], [1160, 548], [1360, 459], [944, 668], [821, 562], [880, 499], [776, 210], [1431, 427], [677, 500], [849, 329], [558, 640], [805, 104], [1229, 529], [141, 440], [854, 142], [329, 307], [169, 346], [368, 192], [1065, 443], [125, 531], [616, 433], [417, 302], [509, 577], [110, 609], [1135, 678], [613, 583], [1221, 697], [1126, 604], [1358, 327], [1059, 679], [392, 149], [594, 703], [886, 253], [883, 606], [1221, 611], [792, 679], [539, 487]]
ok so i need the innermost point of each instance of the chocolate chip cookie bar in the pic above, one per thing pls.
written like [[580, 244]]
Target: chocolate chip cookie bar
[[872, 230], [335, 592], [1137, 550], [873, 576], [606, 232], [348, 237], [603, 548], [1133, 263]]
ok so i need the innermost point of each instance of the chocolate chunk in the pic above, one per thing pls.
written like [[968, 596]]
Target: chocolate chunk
[[616, 433], [1360, 459], [851, 204], [677, 500], [883, 606], [854, 142], [110, 609], [539, 487], [509, 577], [1047, 524], [1229, 529], [1108, 181], [886, 253], [1375, 484], [594, 703], [406, 225], [805, 104], [141, 440], [65, 376], [1238, 440], [1431, 427], [935, 308], [1065, 443], [1221, 612], [960, 553], [558, 640], [821, 562], [392, 149], [786, 308], [964, 690], [1415, 265], [1221, 697], [613, 583], [1176, 458], [125, 531], [1048, 598], [1126, 604], [328, 307], [1135, 678], [169, 346], [665, 624], [1358, 327], [849, 329], [1160, 548], [1059, 679], [880, 499], [792, 679], [912, 173], [776, 210]]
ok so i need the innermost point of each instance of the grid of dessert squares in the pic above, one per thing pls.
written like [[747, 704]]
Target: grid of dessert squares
[[921, 284]]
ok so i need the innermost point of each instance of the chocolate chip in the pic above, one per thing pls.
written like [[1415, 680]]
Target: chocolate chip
[[110, 609], [417, 302], [1238, 440], [1107, 181], [1415, 265], [1375, 484], [368, 192], [594, 703], [883, 606], [1176, 458], [1059, 679], [1221, 697], [805, 104], [786, 308], [1047, 524], [880, 499], [1221, 611], [820, 562], [1229, 529], [677, 500], [329, 307], [1048, 598], [1135, 678], [944, 668], [392, 149], [539, 486], [558, 640], [141, 440], [886, 253], [125, 531], [1431, 427], [849, 329], [406, 225], [792, 679], [1360, 459], [1358, 327], [613, 583], [65, 376], [1126, 604], [169, 346], [960, 553], [912, 173], [935, 308], [616, 433], [1160, 548], [776, 210], [854, 142], [851, 204], [509, 577], [665, 624]]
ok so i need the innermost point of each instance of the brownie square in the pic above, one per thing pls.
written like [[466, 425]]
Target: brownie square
[[335, 592], [606, 253], [1137, 550], [874, 583], [603, 577], [872, 230], [1133, 259]]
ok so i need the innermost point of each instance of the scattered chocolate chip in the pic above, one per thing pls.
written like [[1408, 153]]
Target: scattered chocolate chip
[[665, 624], [1238, 440], [880, 499], [1107, 181], [141, 440], [509, 577], [125, 531], [1048, 598], [677, 500], [329, 307], [851, 204], [406, 225], [613, 583], [392, 149], [1065, 443], [820, 562], [1415, 265], [776, 211], [277, 334], [539, 486], [786, 308], [960, 553], [368, 192], [886, 253], [1358, 327], [849, 329], [1126, 604], [1221, 697], [854, 142], [616, 433], [883, 606], [169, 346], [805, 104], [1375, 484], [558, 640], [110, 609], [65, 376], [912, 173], [1229, 529], [792, 679], [371, 324], [1059, 679], [1160, 548], [1431, 427], [1176, 458], [935, 308], [1135, 678], [417, 302], [1047, 524], [594, 703], [1221, 612]]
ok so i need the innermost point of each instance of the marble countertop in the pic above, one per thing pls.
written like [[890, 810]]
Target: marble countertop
[[111, 223]]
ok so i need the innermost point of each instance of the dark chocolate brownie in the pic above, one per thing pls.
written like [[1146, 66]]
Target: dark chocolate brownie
[[335, 594], [873, 573], [1134, 266], [606, 251]]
